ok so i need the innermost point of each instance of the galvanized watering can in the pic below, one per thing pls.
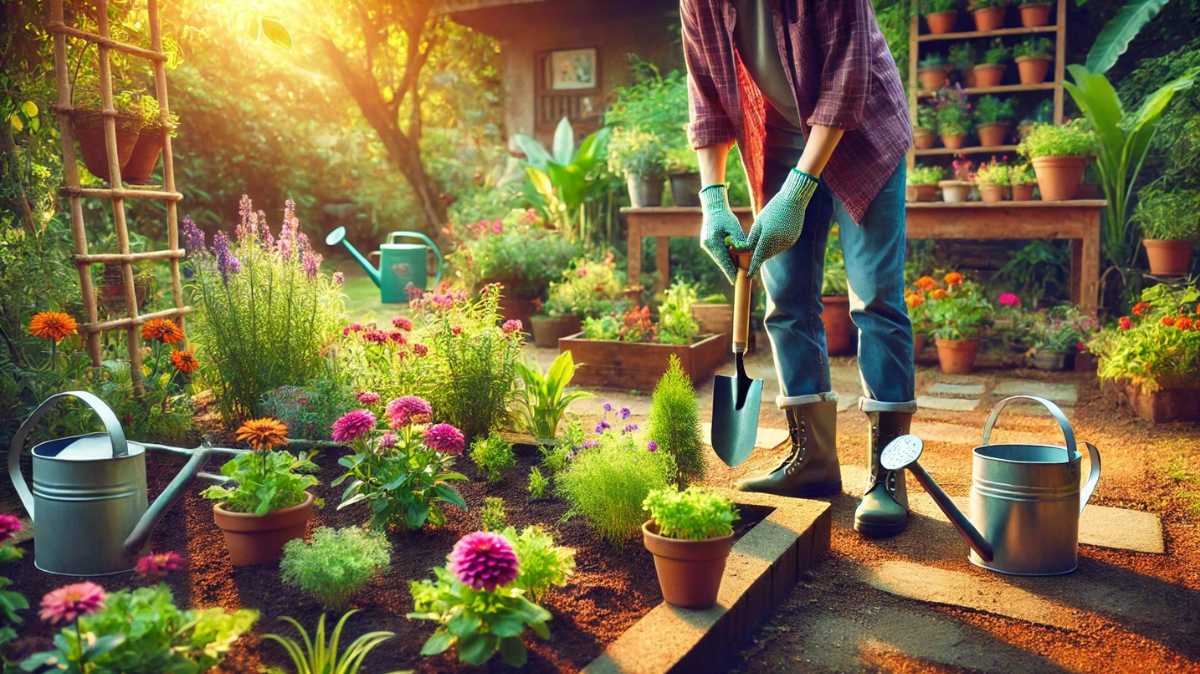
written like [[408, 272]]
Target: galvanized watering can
[[400, 264], [89, 502], [1025, 499]]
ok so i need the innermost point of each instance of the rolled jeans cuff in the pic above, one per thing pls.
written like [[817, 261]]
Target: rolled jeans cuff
[[784, 402], [868, 405]]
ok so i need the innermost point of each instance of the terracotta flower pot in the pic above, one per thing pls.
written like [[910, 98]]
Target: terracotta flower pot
[[1059, 177], [88, 126], [969, 79], [1168, 257], [955, 191], [941, 22], [689, 572], [259, 539], [992, 193], [644, 191], [548, 329], [932, 79], [144, 157], [1032, 69], [989, 74], [923, 139], [992, 134], [685, 189], [839, 329], [989, 18], [922, 192], [953, 141], [1035, 15], [957, 356], [1022, 192]]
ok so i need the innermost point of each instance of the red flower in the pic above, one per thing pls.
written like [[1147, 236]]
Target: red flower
[[157, 565], [1184, 323], [1141, 308], [1125, 323], [1168, 321]]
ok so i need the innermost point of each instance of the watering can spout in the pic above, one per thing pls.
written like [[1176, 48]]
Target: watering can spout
[[339, 236], [902, 453]]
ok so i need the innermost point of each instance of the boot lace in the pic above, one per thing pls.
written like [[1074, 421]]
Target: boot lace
[[799, 447], [888, 477]]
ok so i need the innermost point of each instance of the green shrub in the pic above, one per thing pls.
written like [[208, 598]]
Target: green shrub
[[315, 655], [1158, 346], [992, 110], [933, 60], [493, 517], [833, 275], [676, 324], [524, 254], [636, 152], [335, 564], [694, 514], [953, 112], [675, 422], [1165, 213], [992, 173], [555, 455], [587, 288], [543, 564], [1022, 174], [493, 455], [538, 484], [925, 175], [926, 118], [1073, 139], [961, 55], [1034, 47]]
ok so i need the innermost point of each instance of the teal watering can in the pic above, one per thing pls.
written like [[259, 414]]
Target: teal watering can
[[400, 264]]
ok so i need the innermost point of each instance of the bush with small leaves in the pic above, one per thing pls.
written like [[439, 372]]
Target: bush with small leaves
[[694, 514], [335, 564], [538, 484], [675, 422], [493, 517], [542, 563], [493, 455]]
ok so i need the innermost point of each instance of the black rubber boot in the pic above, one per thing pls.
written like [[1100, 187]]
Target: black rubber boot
[[883, 510], [811, 468]]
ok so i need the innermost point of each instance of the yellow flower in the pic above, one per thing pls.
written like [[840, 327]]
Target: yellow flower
[[53, 325], [263, 434]]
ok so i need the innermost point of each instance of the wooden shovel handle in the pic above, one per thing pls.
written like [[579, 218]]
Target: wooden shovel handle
[[741, 302]]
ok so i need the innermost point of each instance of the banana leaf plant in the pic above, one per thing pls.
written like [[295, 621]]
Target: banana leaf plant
[[546, 396], [1123, 140], [1120, 30], [564, 179]]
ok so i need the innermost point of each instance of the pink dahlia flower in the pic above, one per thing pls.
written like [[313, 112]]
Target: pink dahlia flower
[[1009, 300], [353, 424], [69, 602], [368, 397], [407, 410], [9, 526], [388, 440], [445, 439], [157, 565], [402, 323], [484, 561], [511, 325]]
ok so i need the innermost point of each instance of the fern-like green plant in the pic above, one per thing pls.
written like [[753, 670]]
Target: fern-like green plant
[[493, 516], [315, 655], [546, 396], [675, 422], [493, 456], [335, 564], [538, 484]]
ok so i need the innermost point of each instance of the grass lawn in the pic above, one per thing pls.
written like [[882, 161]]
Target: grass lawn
[[362, 296]]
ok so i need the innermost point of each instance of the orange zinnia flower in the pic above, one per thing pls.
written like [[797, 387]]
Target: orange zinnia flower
[[939, 294], [926, 282], [914, 300], [1184, 323], [1168, 321], [53, 325], [263, 434], [185, 361], [162, 330], [1141, 308], [953, 278]]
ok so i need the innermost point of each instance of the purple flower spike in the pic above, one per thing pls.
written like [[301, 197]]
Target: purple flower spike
[[629, 428], [602, 426], [194, 241], [607, 406], [227, 263]]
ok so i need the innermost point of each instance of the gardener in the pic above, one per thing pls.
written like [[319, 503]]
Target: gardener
[[811, 95]]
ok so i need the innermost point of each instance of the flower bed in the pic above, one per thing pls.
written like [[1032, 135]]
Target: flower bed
[[638, 365]]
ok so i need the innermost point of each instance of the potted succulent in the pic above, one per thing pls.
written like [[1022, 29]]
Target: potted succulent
[[940, 15], [992, 179], [835, 299], [144, 156], [988, 14], [1033, 59], [931, 73], [641, 157], [266, 503], [993, 119], [957, 314], [690, 535], [990, 72], [1035, 13], [1042, 114], [923, 182], [1170, 221], [587, 289], [1059, 155], [1058, 334], [683, 170], [962, 57], [1022, 181], [925, 130], [87, 123], [958, 189], [953, 119]]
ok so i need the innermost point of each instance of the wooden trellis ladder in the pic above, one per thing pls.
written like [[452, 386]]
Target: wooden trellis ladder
[[116, 192]]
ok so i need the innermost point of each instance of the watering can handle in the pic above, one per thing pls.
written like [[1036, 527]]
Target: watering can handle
[[1093, 476], [113, 427], [437, 252], [1055, 412]]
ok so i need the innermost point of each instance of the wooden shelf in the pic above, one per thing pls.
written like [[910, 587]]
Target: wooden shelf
[[973, 149], [971, 34], [1002, 89], [1033, 203]]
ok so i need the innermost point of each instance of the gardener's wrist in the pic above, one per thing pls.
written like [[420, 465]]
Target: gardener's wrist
[[799, 185], [714, 197]]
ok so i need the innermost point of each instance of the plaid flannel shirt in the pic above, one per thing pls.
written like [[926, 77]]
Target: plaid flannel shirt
[[842, 75]]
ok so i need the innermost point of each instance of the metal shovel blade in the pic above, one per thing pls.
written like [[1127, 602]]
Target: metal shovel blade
[[736, 402]]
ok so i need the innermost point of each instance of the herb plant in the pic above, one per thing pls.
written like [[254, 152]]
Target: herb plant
[[543, 563], [933, 60], [694, 514], [996, 53], [316, 655], [493, 517], [992, 173], [926, 118], [1022, 174], [985, 4], [1062, 329], [493, 456], [924, 175], [538, 484], [961, 56], [992, 110], [675, 422], [953, 113], [545, 396], [1034, 47], [335, 564], [264, 482], [636, 152], [937, 6], [1168, 213], [1073, 139]]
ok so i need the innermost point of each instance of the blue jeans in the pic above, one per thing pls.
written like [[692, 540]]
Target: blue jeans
[[874, 252]]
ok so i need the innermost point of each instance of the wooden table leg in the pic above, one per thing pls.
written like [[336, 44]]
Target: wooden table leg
[[1089, 276], [633, 243], [1075, 273], [662, 261]]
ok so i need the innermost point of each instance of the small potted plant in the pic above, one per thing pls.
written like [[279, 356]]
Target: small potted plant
[[1022, 181], [835, 299], [988, 14], [641, 157], [683, 170], [87, 123], [992, 179], [990, 72], [931, 73], [266, 503], [925, 130], [587, 289], [690, 535], [961, 57], [1059, 155], [993, 119], [958, 313], [1058, 334], [923, 183], [1033, 56], [940, 15], [953, 119], [1170, 221], [959, 189], [918, 313], [1035, 13], [148, 148]]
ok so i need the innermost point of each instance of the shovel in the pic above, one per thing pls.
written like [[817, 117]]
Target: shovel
[[736, 399]]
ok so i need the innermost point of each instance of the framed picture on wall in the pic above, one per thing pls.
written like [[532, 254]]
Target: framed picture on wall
[[572, 70]]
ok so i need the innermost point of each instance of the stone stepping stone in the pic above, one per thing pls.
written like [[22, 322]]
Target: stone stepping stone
[[1061, 393], [767, 438], [948, 404], [977, 590], [942, 388]]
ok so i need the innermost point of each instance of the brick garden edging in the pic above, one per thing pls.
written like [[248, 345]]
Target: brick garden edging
[[762, 570]]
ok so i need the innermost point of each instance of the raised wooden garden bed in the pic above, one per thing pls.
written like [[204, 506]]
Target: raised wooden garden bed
[[1163, 405], [638, 365]]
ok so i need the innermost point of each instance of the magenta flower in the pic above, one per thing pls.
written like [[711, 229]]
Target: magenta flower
[[375, 336], [402, 323], [353, 424], [652, 446], [368, 397], [69, 602], [407, 410], [420, 349], [157, 565], [1009, 300], [445, 439], [511, 325], [387, 440], [9, 526], [397, 337], [484, 561]]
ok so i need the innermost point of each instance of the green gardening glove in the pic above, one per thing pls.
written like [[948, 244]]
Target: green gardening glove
[[719, 225], [779, 223]]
